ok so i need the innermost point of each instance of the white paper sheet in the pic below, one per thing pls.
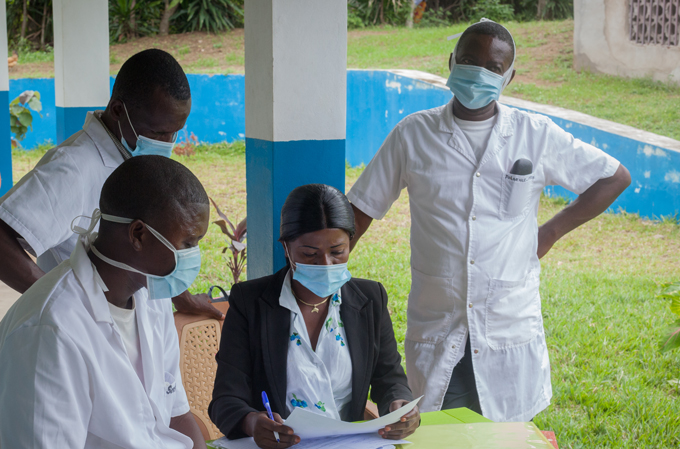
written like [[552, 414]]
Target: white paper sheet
[[363, 441], [308, 424]]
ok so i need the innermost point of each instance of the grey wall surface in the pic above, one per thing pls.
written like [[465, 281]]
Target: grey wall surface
[[602, 44]]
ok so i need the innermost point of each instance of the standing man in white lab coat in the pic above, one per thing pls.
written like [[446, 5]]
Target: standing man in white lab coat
[[149, 104], [475, 170], [89, 356]]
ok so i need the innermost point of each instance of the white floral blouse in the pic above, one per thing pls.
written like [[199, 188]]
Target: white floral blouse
[[321, 380]]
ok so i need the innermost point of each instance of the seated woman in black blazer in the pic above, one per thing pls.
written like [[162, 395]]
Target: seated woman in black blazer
[[309, 335]]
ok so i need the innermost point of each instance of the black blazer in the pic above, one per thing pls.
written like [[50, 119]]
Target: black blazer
[[254, 351]]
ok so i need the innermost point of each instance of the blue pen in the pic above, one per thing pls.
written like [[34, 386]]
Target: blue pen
[[265, 401]]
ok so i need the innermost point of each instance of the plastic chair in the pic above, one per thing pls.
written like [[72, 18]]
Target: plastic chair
[[199, 341]]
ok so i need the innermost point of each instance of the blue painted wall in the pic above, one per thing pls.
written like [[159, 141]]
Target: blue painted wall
[[217, 112], [376, 101]]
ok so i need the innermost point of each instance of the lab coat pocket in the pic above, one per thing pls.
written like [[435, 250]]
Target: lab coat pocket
[[430, 308], [513, 312], [515, 193]]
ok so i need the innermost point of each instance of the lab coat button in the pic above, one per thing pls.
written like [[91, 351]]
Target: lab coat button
[[470, 306], [474, 217], [479, 174], [453, 346], [476, 351], [472, 262]]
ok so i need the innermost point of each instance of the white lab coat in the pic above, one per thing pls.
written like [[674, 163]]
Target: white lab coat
[[67, 381], [473, 249], [65, 183]]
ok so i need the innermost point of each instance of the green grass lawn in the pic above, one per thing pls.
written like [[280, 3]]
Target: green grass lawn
[[544, 67], [602, 319]]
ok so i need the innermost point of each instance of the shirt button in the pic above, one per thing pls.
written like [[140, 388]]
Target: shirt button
[[476, 351], [470, 306], [472, 262], [474, 217], [479, 174], [453, 346]]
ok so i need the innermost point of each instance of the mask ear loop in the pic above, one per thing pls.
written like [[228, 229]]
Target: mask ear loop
[[290, 260], [94, 219], [129, 121]]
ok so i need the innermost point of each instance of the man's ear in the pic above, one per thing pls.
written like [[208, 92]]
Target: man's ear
[[117, 110], [137, 234], [451, 61], [514, 72]]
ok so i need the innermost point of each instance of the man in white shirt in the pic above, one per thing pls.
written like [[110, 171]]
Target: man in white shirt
[[475, 170], [89, 356], [149, 104]]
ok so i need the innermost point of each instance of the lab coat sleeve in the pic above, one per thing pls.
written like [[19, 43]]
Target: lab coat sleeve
[[572, 163], [383, 179], [41, 206], [45, 390], [388, 382], [181, 404]]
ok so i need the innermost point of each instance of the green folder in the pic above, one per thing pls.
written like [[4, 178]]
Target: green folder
[[478, 435]]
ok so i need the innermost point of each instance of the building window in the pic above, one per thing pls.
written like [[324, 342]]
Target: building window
[[655, 21]]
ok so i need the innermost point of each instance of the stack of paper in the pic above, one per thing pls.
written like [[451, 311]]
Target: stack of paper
[[317, 431]]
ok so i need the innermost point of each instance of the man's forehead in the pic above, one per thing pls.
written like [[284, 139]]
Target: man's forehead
[[490, 45]]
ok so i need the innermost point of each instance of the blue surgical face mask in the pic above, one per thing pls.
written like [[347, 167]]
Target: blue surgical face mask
[[475, 87], [322, 280], [146, 146], [187, 261]]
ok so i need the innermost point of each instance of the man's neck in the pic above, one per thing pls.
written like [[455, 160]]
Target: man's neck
[[473, 115], [119, 282]]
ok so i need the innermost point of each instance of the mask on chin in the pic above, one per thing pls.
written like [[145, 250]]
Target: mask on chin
[[146, 146]]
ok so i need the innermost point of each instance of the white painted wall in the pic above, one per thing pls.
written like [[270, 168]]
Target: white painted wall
[[4, 71], [81, 53], [602, 44], [296, 62]]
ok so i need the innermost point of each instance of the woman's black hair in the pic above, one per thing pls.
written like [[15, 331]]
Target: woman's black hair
[[314, 207]]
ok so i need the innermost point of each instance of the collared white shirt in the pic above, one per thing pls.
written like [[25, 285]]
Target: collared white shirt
[[66, 183], [321, 380], [474, 237], [67, 381]]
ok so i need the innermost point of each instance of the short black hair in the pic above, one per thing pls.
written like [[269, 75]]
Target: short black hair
[[489, 28], [146, 71], [154, 189], [314, 207]]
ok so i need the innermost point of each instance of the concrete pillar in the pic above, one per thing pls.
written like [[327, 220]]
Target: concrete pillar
[[81, 61], [5, 136], [296, 88]]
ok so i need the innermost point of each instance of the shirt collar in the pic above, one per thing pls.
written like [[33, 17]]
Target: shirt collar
[[111, 150], [287, 299], [448, 125], [91, 282]]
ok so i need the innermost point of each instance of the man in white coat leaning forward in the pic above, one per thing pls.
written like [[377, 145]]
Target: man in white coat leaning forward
[[475, 170], [89, 356]]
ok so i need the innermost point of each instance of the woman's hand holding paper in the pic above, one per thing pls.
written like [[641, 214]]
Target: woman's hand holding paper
[[405, 426]]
